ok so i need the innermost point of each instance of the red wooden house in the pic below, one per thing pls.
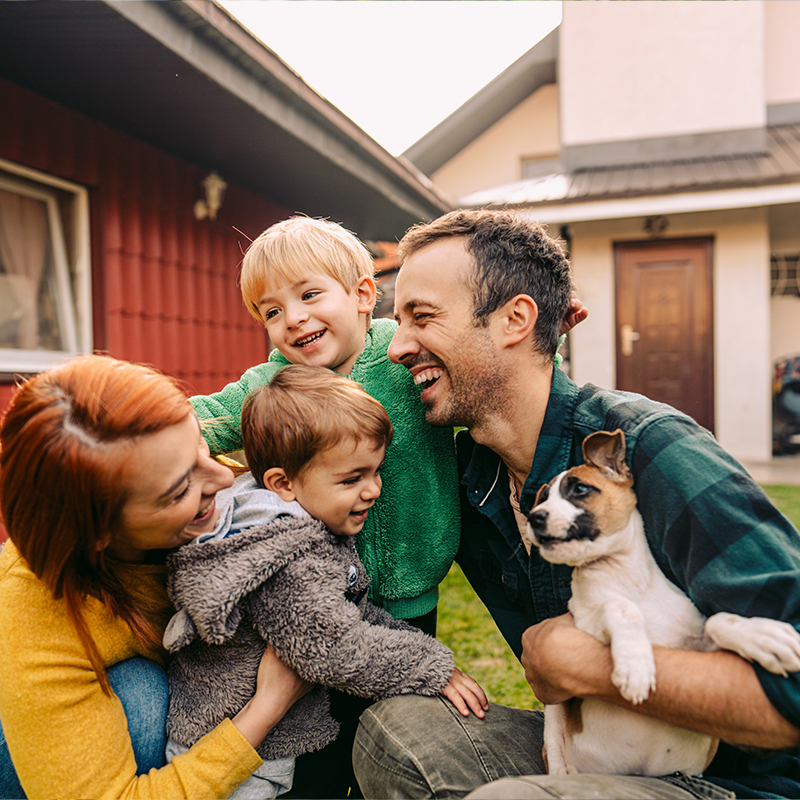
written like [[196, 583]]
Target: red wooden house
[[142, 144]]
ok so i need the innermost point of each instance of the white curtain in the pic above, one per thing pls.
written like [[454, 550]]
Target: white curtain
[[23, 248]]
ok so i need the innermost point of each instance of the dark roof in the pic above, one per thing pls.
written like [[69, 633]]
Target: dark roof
[[187, 78], [528, 73], [780, 164]]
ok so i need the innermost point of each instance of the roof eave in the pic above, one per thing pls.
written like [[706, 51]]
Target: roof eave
[[316, 106], [187, 78], [536, 68], [296, 108]]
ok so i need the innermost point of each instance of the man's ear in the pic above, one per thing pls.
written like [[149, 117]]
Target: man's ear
[[517, 318], [367, 294], [276, 480]]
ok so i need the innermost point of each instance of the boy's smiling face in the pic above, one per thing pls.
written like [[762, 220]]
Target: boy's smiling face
[[316, 321], [338, 487]]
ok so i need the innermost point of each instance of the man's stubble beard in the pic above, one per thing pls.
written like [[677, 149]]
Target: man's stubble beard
[[479, 385]]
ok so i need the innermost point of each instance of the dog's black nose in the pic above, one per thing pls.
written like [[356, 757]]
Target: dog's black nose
[[537, 518]]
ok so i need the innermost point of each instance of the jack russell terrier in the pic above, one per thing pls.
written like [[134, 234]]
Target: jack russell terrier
[[586, 517]]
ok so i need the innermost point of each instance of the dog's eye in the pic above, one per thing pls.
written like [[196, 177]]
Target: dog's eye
[[582, 489]]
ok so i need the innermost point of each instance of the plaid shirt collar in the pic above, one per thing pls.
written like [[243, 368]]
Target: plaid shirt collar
[[486, 477]]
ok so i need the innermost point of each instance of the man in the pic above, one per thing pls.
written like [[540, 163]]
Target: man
[[479, 301]]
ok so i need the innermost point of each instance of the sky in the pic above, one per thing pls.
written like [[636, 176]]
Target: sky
[[397, 67]]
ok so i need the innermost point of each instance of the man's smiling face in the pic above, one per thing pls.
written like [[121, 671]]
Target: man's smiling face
[[455, 361]]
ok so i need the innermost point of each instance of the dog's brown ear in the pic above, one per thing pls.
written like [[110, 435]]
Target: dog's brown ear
[[606, 451], [541, 495]]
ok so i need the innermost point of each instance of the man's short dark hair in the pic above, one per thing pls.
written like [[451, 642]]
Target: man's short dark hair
[[513, 255]]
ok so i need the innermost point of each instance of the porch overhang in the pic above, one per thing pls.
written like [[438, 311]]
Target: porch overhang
[[768, 176], [662, 205]]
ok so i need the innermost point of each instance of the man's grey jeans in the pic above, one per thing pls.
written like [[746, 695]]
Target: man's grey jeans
[[413, 746]]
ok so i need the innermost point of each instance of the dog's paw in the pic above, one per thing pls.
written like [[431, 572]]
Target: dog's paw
[[567, 771], [773, 644], [635, 679]]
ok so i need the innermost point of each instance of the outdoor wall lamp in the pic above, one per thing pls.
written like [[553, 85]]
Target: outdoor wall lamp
[[656, 226], [214, 188]]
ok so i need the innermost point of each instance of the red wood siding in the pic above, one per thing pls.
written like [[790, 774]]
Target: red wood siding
[[6, 393], [164, 284]]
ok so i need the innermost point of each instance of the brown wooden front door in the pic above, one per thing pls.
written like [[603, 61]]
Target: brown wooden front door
[[664, 324]]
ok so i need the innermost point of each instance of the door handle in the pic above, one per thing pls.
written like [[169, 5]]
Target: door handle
[[627, 337]]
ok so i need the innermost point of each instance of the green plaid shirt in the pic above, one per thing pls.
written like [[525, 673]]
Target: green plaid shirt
[[711, 528]]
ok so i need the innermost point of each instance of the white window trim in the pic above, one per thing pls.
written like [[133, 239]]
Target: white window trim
[[77, 294]]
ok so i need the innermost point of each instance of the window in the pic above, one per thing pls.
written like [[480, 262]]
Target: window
[[540, 166], [785, 274], [45, 305]]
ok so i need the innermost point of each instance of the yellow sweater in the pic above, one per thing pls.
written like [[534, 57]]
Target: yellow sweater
[[68, 739]]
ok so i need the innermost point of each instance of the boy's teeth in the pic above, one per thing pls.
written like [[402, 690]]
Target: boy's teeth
[[308, 340], [204, 511], [428, 375]]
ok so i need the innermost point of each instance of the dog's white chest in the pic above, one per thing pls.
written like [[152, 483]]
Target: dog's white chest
[[630, 597]]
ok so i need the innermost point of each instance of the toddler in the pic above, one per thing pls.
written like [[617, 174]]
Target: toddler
[[281, 568], [311, 283]]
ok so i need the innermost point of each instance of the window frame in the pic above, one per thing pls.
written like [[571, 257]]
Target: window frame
[[72, 264]]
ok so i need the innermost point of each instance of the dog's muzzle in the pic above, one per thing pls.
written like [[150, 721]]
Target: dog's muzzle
[[537, 520], [582, 527]]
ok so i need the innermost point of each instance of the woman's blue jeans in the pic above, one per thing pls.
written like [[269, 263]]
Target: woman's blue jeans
[[141, 686]]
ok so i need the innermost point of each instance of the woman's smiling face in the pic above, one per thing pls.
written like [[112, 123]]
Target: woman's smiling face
[[171, 482]]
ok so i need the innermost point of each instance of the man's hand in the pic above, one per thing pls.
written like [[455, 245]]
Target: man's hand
[[562, 662], [465, 694], [702, 691], [575, 313]]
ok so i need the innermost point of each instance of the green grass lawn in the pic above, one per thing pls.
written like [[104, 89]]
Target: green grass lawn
[[787, 499], [466, 627]]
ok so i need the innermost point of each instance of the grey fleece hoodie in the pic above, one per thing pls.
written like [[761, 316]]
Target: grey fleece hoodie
[[289, 581]]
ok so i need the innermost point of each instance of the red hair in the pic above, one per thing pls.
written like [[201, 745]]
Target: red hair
[[61, 488]]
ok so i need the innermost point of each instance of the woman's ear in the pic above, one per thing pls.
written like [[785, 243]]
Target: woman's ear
[[518, 318], [366, 293], [276, 480]]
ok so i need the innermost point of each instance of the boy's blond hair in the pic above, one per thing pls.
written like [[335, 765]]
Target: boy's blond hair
[[297, 246], [304, 411]]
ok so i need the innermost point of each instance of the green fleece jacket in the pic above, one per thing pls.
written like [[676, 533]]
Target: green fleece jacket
[[412, 532]]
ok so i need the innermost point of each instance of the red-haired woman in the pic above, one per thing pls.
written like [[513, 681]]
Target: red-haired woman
[[103, 470]]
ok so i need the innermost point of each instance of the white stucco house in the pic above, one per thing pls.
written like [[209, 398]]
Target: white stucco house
[[662, 141]]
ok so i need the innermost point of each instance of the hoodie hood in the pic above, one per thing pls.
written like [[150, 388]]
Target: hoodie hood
[[245, 504]]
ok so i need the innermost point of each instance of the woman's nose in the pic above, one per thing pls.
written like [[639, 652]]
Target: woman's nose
[[217, 476]]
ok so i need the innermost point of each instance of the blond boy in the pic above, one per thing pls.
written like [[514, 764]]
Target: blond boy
[[310, 282]]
